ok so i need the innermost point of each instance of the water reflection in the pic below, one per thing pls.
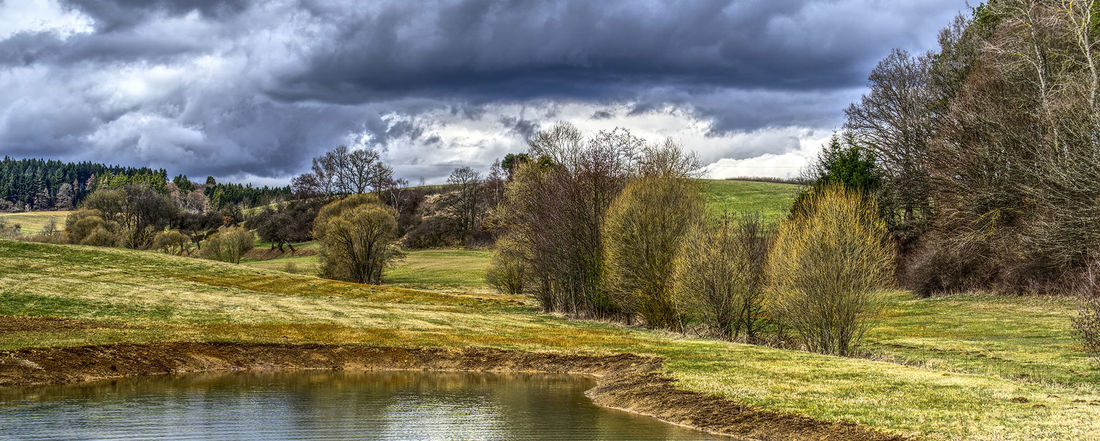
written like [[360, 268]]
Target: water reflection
[[325, 405]]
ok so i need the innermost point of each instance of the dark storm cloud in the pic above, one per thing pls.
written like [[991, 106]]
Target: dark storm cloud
[[602, 49], [525, 129], [243, 88], [116, 15]]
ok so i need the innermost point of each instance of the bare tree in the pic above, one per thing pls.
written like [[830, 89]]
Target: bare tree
[[719, 277], [65, 197], [895, 121], [343, 171], [362, 171], [555, 207]]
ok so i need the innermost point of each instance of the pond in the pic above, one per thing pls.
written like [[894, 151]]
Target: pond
[[315, 405]]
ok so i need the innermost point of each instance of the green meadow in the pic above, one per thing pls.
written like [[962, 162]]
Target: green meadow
[[960, 367]]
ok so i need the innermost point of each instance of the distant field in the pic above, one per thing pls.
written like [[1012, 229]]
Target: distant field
[[449, 269], [441, 269], [32, 222], [771, 200]]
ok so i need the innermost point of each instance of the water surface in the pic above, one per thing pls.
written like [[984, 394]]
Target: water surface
[[325, 406]]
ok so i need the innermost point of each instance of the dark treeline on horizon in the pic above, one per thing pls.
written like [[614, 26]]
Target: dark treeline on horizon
[[48, 184]]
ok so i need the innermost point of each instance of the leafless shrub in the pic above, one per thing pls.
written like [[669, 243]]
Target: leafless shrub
[[1087, 322], [357, 236], [644, 228], [827, 270], [508, 270], [227, 245], [720, 277]]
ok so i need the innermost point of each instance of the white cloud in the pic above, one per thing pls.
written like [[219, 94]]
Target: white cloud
[[443, 140], [41, 16]]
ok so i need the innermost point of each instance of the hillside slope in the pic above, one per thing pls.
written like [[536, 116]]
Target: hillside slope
[[962, 377]]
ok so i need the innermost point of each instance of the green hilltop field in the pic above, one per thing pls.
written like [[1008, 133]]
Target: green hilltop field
[[771, 200]]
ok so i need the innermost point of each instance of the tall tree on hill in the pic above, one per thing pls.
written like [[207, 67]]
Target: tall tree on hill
[[467, 198], [343, 171]]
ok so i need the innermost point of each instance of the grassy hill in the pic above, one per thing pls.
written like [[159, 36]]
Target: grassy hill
[[33, 221], [772, 200], [447, 269], [962, 367]]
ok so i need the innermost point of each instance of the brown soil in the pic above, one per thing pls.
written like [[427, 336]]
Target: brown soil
[[627, 382], [43, 324]]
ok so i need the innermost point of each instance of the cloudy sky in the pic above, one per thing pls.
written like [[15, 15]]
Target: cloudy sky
[[250, 90]]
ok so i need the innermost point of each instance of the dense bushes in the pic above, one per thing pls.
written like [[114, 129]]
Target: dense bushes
[[138, 211], [555, 206], [88, 227], [172, 242], [826, 270], [1087, 322], [227, 245], [659, 260], [286, 223], [9, 230], [507, 270], [719, 275], [987, 149], [357, 236], [644, 228]]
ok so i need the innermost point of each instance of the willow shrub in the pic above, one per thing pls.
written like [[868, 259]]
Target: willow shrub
[[642, 233], [828, 268], [508, 270], [172, 242], [227, 245], [357, 235], [719, 275]]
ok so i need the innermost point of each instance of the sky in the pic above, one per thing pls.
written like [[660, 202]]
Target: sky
[[249, 91]]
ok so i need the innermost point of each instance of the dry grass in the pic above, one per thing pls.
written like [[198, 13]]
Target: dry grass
[[941, 389], [439, 269], [33, 222]]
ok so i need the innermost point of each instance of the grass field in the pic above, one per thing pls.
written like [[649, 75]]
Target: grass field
[[771, 200], [447, 269], [962, 367], [32, 222]]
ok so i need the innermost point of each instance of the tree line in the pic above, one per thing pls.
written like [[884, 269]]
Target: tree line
[[37, 184], [984, 154], [612, 226]]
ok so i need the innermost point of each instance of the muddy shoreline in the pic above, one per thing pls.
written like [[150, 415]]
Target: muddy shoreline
[[626, 382]]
